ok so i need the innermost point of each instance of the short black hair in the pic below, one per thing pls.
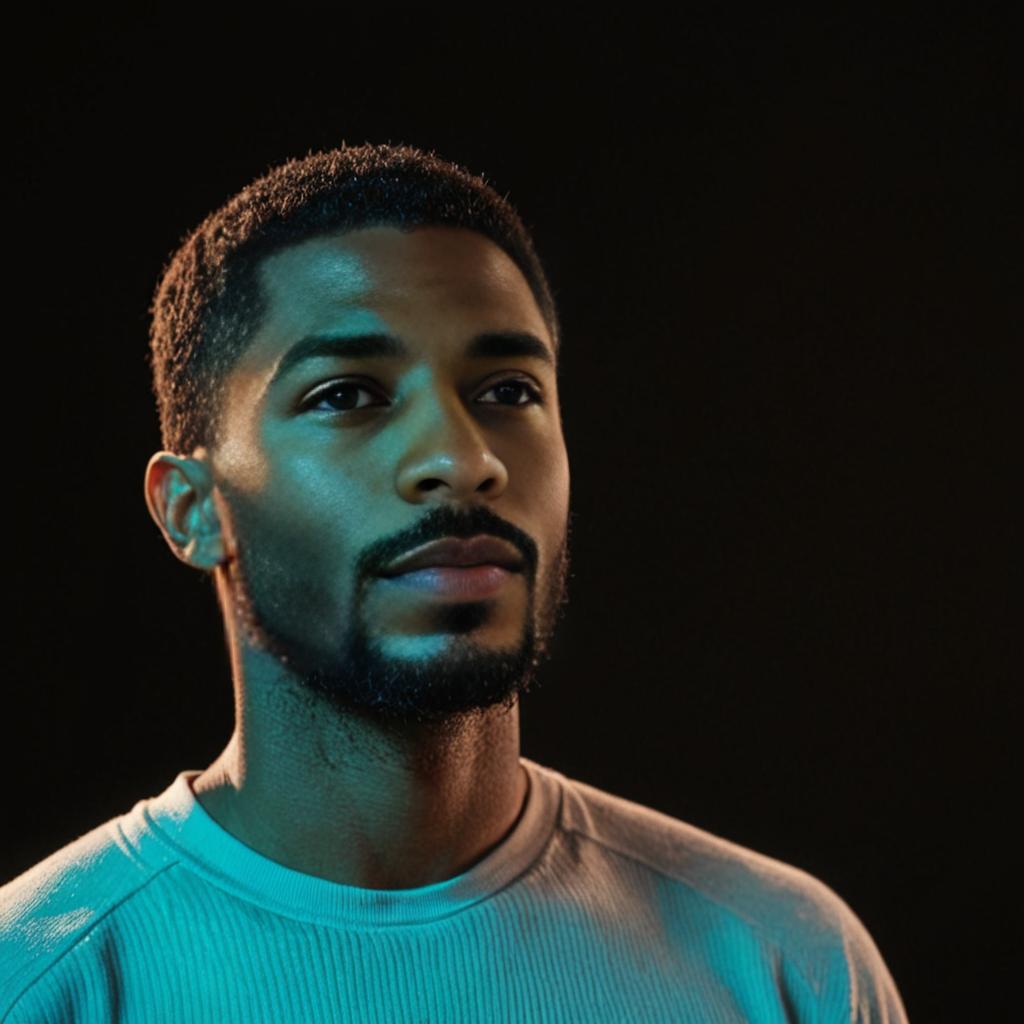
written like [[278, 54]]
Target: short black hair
[[209, 301]]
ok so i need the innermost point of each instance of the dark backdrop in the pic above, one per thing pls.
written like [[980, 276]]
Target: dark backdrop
[[781, 254]]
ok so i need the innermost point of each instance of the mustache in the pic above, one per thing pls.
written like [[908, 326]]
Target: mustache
[[447, 521]]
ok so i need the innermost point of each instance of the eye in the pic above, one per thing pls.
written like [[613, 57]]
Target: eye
[[338, 396], [533, 396]]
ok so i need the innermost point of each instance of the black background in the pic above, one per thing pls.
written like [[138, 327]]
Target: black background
[[782, 254]]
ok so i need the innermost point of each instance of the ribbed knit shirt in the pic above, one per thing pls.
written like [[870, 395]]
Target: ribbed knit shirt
[[592, 908]]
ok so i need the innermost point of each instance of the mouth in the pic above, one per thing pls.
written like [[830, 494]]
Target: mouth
[[480, 551], [465, 582]]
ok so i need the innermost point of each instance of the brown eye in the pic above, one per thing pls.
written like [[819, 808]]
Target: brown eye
[[338, 396], [513, 388]]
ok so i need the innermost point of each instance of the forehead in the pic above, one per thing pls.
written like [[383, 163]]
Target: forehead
[[402, 281]]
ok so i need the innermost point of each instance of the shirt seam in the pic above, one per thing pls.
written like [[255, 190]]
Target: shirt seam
[[707, 897], [80, 937]]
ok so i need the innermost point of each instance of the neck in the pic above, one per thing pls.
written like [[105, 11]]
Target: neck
[[358, 801]]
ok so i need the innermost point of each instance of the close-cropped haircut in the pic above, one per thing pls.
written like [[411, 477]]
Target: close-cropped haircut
[[210, 301]]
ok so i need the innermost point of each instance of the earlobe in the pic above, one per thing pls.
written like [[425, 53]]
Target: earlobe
[[179, 496]]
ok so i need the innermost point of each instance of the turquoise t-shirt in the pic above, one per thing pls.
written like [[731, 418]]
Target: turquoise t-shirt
[[592, 909]]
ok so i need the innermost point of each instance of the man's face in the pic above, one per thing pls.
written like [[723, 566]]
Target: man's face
[[334, 463]]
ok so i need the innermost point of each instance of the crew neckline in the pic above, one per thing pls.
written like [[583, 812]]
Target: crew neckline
[[178, 822]]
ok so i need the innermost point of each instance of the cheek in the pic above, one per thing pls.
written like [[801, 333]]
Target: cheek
[[548, 481], [297, 579], [557, 499], [291, 547], [315, 513], [323, 483]]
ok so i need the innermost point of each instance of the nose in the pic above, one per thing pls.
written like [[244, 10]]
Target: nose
[[448, 454]]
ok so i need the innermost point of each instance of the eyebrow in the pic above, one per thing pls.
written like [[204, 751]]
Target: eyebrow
[[489, 345]]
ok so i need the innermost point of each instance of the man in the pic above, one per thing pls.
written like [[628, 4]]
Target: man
[[356, 367]]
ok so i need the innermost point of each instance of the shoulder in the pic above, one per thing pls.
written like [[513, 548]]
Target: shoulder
[[54, 905], [768, 894], [812, 929]]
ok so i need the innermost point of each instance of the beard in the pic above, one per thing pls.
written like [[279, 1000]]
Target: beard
[[349, 670]]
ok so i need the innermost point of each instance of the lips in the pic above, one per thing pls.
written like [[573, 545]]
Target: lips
[[455, 552]]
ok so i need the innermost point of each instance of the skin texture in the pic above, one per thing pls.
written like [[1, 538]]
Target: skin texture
[[376, 739]]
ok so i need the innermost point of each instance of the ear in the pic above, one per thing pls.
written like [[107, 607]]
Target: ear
[[179, 494]]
